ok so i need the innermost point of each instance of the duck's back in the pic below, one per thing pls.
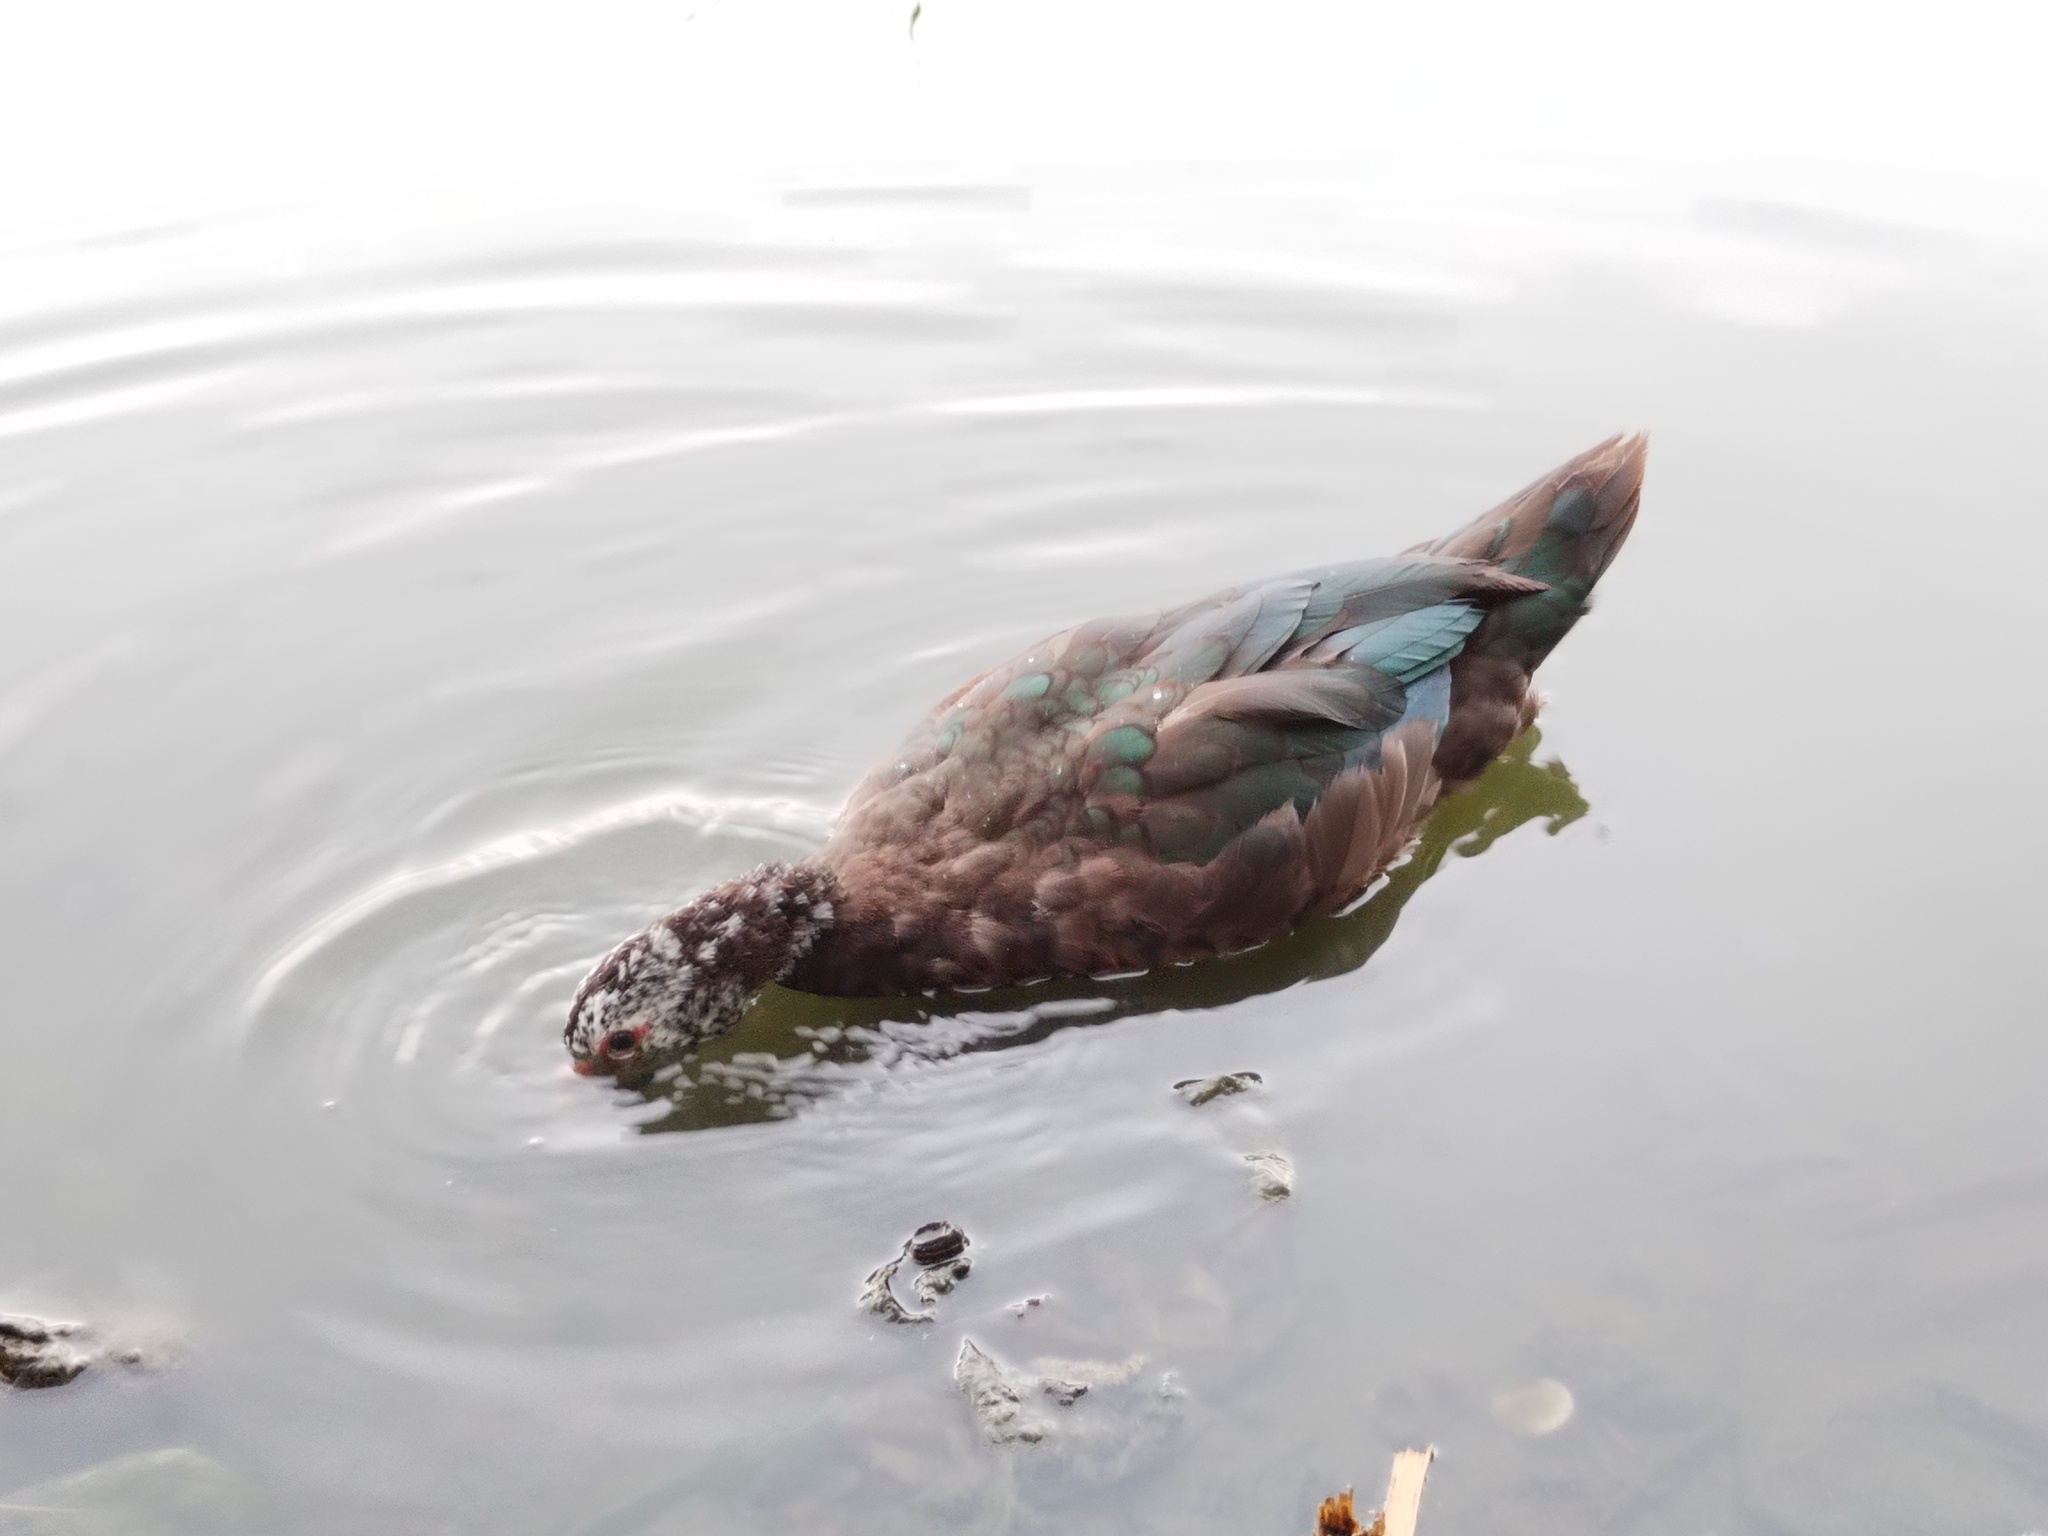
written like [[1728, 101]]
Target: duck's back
[[1139, 791]]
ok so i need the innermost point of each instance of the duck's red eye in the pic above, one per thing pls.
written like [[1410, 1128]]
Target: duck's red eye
[[621, 1042]]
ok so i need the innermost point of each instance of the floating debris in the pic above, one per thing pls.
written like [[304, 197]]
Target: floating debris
[[1200, 1090], [1099, 1418], [1272, 1175], [1404, 1492], [939, 1280], [994, 1396], [1020, 1308], [35, 1352], [1337, 1517], [878, 1298], [1541, 1407], [940, 1250], [937, 1241], [1090, 1373]]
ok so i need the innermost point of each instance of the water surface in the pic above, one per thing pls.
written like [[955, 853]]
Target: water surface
[[386, 637]]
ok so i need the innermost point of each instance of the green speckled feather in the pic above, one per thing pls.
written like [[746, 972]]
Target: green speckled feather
[[1177, 732], [1561, 531]]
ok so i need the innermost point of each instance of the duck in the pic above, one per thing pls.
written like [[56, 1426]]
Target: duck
[[1149, 790]]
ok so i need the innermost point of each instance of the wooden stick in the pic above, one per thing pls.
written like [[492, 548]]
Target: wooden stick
[[1404, 1491]]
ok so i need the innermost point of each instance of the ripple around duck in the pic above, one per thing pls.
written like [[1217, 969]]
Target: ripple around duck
[[272, 352], [569, 468], [432, 1002], [407, 299], [1197, 397], [447, 979]]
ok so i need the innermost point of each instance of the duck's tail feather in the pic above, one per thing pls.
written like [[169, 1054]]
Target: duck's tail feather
[[1563, 531]]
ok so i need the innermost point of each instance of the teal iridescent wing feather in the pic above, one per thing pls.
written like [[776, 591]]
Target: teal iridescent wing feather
[[1176, 733]]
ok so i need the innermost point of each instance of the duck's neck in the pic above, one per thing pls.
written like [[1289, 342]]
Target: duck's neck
[[753, 930]]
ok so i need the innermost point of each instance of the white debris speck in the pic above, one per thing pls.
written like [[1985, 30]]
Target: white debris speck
[[1272, 1175], [996, 1401], [1539, 1407], [1090, 1373]]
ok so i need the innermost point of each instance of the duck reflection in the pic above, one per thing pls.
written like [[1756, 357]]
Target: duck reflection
[[794, 1047]]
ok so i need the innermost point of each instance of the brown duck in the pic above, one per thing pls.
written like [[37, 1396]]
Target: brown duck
[[1151, 790]]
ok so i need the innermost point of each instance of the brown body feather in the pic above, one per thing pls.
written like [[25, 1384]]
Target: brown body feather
[[919, 916], [986, 868]]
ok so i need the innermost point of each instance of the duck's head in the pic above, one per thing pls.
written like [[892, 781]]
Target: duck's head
[[690, 976]]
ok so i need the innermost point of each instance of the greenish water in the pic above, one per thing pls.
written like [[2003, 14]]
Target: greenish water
[[383, 638]]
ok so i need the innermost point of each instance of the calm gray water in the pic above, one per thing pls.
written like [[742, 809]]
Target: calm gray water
[[385, 636]]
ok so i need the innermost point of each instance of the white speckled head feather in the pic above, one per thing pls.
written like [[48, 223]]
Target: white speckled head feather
[[688, 977]]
